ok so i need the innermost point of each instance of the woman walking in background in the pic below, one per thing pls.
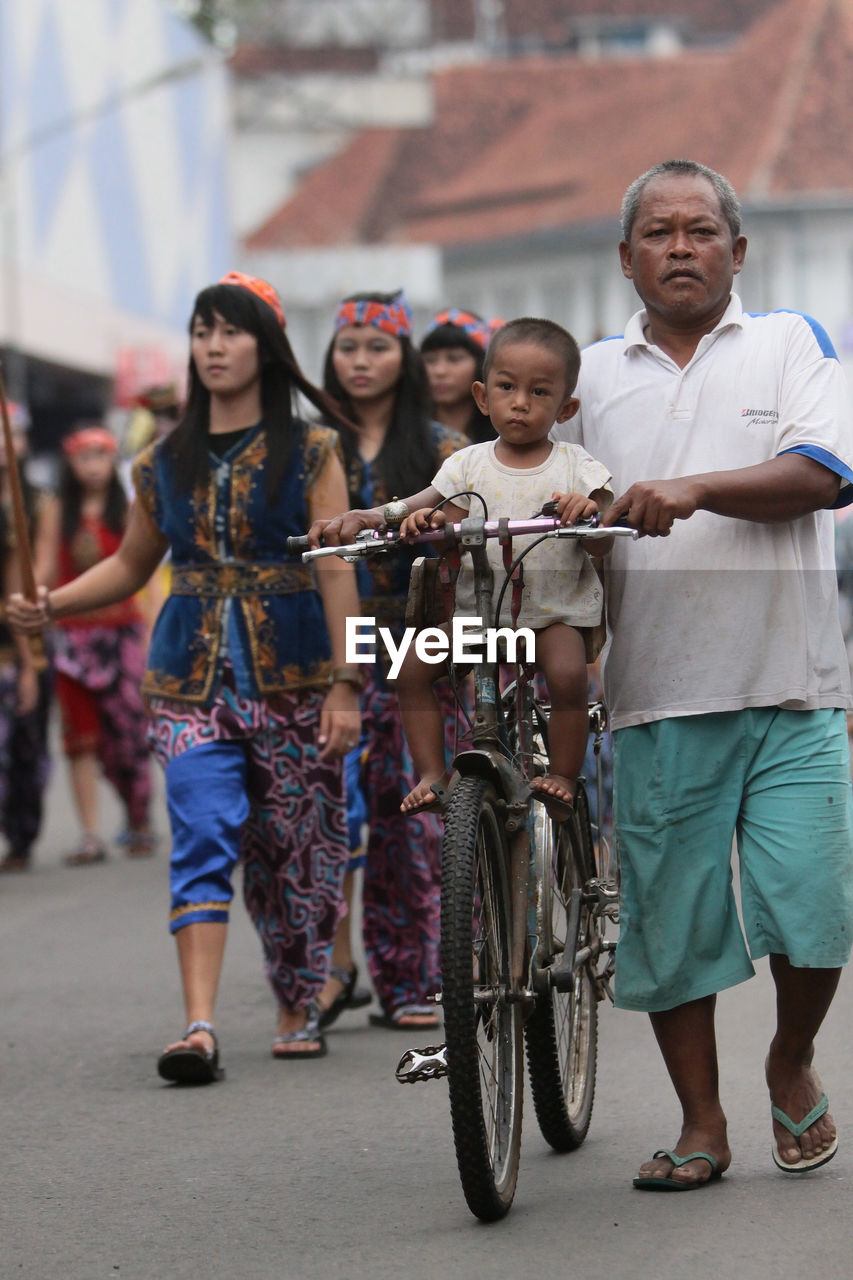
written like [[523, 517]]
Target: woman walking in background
[[253, 705], [375, 372], [100, 657], [453, 349]]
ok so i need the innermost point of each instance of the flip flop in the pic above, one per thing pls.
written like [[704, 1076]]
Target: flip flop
[[673, 1184], [352, 997], [310, 1034], [189, 1064], [558, 810], [394, 1021], [437, 805], [797, 1130], [88, 851]]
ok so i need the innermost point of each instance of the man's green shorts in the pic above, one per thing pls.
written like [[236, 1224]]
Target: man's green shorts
[[683, 788]]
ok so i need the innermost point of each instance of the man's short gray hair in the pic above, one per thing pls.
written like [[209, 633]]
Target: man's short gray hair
[[729, 202]]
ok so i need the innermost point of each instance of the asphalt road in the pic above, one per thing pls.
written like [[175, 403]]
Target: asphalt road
[[330, 1168]]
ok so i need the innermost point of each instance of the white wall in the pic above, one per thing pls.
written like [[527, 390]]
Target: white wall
[[113, 208]]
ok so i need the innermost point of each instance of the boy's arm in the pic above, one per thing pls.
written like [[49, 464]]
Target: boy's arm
[[426, 518], [343, 528], [572, 507]]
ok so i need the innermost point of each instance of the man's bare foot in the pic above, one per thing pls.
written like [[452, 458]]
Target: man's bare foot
[[422, 796], [693, 1138], [795, 1088], [556, 793]]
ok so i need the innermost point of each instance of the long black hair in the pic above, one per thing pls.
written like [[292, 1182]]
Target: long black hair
[[281, 377], [71, 494], [478, 427], [408, 459], [71, 501]]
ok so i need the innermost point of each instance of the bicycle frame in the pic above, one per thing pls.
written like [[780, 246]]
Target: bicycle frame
[[489, 753]]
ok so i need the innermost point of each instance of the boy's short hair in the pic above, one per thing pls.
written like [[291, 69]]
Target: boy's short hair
[[544, 333]]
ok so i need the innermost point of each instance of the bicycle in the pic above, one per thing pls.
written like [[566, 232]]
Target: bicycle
[[525, 900]]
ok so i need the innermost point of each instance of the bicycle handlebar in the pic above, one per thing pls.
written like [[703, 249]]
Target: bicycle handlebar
[[376, 541]]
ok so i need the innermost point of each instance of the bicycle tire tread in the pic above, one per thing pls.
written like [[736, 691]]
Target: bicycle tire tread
[[560, 1129], [484, 1197]]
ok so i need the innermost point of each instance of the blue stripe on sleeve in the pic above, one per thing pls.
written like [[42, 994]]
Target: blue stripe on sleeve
[[829, 460], [821, 336]]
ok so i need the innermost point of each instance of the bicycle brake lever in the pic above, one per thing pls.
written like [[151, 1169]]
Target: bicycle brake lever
[[550, 509]]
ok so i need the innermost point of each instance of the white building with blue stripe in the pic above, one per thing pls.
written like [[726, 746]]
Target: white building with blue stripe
[[113, 177]]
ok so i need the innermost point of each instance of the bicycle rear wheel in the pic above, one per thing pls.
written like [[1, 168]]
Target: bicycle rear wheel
[[562, 1031], [482, 1027]]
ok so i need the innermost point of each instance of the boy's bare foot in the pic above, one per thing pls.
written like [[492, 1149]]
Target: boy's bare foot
[[422, 797], [556, 793], [693, 1138], [796, 1089]]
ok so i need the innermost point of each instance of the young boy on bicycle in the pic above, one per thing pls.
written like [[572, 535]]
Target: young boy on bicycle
[[529, 377]]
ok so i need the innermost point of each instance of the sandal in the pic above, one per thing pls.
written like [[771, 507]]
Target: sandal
[[351, 997], [89, 850], [140, 844], [558, 810], [437, 804], [190, 1064], [15, 862], [310, 1034], [401, 1019]]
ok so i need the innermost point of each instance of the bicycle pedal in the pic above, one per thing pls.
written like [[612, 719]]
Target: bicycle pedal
[[422, 1064]]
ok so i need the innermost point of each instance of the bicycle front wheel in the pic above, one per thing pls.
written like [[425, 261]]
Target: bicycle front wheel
[[562, 1030], [482, 1025]]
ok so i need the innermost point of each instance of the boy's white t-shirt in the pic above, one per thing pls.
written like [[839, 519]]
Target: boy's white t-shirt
[[560, 583], [723, 613]]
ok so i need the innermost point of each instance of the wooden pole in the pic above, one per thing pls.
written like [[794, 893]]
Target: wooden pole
[[19, 516], [19, 511]]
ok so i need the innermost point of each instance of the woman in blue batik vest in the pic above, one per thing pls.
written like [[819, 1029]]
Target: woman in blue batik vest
[[253, 706]]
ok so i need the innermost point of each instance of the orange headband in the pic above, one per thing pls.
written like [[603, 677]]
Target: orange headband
[[89, 438], [260, 289]]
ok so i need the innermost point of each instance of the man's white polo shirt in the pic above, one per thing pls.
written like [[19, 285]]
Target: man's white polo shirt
[[723, 613]]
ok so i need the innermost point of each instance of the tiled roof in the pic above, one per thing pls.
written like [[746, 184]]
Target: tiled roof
[[257, 59], [702, 17], [539, 143], [554, 20], [537, 23], [336, 202]]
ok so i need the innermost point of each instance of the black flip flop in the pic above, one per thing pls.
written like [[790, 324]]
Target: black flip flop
[[189, 1065], [352, 997]]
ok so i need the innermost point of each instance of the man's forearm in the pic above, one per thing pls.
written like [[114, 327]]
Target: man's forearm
[[785, 488]]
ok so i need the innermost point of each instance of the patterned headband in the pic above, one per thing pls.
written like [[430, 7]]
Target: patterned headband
[[19, 417], [89, 438], [472, 325], [394, 317], [260, 289]]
